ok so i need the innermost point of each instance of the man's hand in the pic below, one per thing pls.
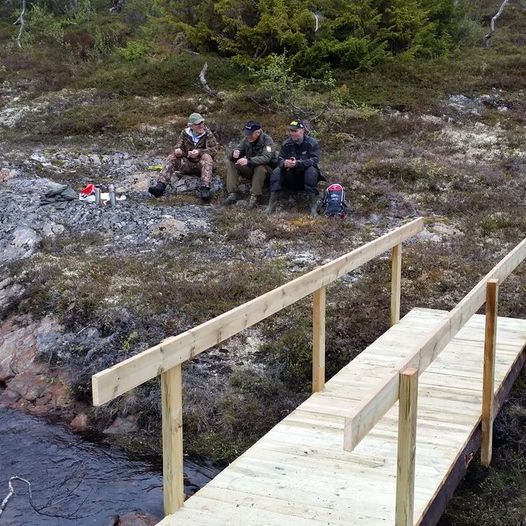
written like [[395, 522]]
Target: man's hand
[[242, 162], [193, 154], [289, 163], [178, 152], [236, 153]]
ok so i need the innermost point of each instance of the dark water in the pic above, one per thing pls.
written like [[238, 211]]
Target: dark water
[[75, 482]]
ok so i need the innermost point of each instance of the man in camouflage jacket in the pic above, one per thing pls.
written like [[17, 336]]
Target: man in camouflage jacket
[[254, 158], [193, 154]]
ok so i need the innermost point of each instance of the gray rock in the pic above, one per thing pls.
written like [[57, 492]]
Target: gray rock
[[122, 426], [25, 237], [169, 228]]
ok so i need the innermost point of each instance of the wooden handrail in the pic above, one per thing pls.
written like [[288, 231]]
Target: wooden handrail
[[112, 382], [361, 420], [166, 358]]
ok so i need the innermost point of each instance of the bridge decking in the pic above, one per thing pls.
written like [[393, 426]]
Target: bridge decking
[[299, 474]]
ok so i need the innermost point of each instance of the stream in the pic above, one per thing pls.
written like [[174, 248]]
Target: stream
[[75, 481]]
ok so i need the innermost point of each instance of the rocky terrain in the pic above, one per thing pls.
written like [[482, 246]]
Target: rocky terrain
[[85, 286]]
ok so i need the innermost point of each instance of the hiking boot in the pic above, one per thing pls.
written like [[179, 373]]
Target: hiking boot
[[157, 190], [231, 199], [272, 202], [253, 201], [313, 205], [204, 193]]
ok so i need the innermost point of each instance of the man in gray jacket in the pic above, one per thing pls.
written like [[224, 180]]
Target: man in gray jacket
[[253, 158]]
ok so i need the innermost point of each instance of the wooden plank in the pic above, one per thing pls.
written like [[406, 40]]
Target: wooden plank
[[172, 431], [405, 472], [488, 382], [130, 373], [318, 339], [298, 471], [437, 504], [386, 394], [396, 281]]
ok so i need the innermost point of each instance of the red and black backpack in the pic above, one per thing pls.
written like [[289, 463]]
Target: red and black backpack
[[333, 203]]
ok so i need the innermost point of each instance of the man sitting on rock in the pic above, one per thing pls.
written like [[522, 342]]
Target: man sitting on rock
[[253, 159], [297, 167], [193, 154]]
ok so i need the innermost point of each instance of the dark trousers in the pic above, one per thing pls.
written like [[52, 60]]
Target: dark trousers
[[295, 179]]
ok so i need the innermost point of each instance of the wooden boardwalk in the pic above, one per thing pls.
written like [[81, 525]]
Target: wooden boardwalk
[[299, 474]]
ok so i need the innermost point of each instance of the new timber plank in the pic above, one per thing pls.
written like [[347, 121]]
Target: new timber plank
[[298, 473]]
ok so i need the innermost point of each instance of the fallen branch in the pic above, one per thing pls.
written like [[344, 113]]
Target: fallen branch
[[52, 502], [204, 83], [12, 490], [21, 20]]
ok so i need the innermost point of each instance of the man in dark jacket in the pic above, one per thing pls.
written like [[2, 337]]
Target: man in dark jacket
[[194, 154], [297, 167], [253, 159]]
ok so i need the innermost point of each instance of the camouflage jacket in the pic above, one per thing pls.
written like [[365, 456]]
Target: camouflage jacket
[[206, 143], [262, 151]]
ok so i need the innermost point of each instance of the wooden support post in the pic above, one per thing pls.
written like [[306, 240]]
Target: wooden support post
[[172, 407], [396, 280], [488, 382], [318, 340], [405, 472]]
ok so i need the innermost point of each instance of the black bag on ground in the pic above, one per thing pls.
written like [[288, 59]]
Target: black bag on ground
[[333, 203]]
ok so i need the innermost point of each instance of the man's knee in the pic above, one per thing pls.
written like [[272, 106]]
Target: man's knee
[[276, 174], [261, 171], [310, 175], [275, 180], [207, 158], [310, 179]]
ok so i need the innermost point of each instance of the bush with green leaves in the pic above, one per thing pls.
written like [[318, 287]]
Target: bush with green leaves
[[326, 33], [276, 84]]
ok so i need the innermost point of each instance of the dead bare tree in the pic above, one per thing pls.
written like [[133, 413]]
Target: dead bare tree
[[204, 83], [116, 6], [487, 37], [21, 20]]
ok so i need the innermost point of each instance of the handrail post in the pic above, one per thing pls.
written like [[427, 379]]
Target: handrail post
[[488, 382], [318, 340], [405, 472], [396, 281], [172, 415]]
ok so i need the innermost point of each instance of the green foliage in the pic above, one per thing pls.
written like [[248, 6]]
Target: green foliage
[[84, 12], [351, 35], [174, 74], [276, 83], [315, 38], [290, 354], [43, 26], [129, 342], [134, 50]]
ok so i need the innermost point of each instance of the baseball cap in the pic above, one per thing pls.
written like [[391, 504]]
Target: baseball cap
[[296, 125], [195, 118], [251, 127]]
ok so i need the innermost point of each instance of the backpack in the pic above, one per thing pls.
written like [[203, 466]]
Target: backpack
[[333, 203]]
